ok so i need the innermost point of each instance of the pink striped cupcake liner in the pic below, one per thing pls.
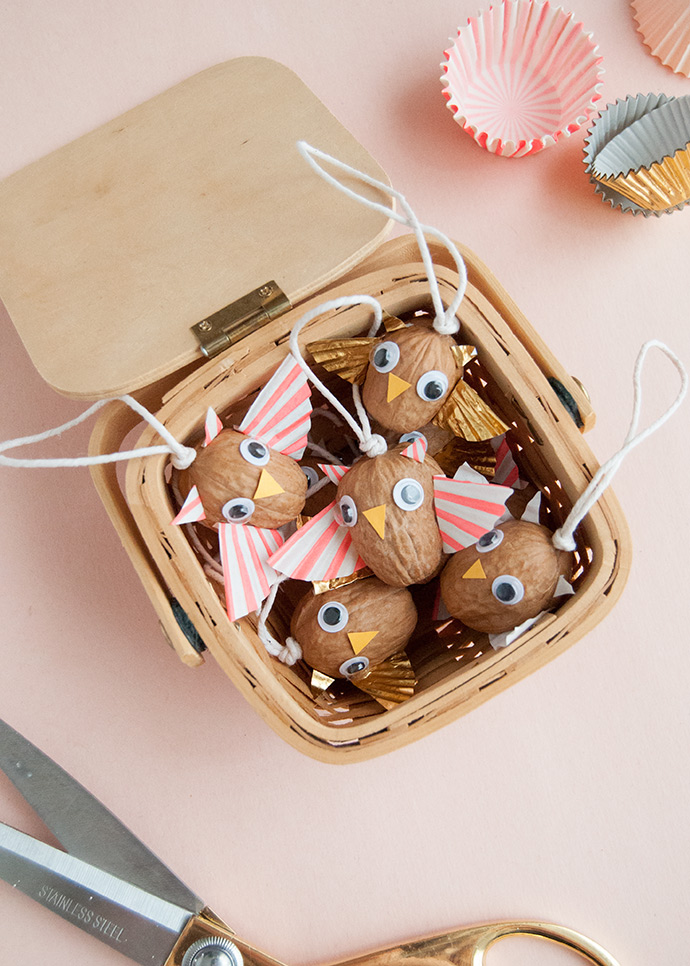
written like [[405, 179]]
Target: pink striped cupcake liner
[[520, 75]]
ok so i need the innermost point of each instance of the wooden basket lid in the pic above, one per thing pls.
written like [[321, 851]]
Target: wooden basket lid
[[113, 246]]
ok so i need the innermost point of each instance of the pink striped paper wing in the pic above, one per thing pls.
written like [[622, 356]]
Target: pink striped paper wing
[[212, 426], [470, 475], [416, 450], [465, 510], [280, 416], [320, 550], [191, 510], [506, 471], [333, 472], [248, 577]]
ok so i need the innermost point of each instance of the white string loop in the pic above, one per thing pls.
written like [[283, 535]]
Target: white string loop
[[370, 443], [182, 456], [445, 321], [290, 652], [563, 538]]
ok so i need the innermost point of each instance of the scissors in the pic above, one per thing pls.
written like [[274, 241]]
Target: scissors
[[110, 885]]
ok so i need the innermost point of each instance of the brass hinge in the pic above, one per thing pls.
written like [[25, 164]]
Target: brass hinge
[[227, 326]]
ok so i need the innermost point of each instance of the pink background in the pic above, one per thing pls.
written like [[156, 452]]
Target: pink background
[[565, 798]]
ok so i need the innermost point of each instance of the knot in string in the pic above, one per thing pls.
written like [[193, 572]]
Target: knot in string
[[290, 653], [563, 538], [183, 458], [374, 445], [447, 325]]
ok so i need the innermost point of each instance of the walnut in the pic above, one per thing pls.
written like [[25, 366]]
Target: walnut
[[388, 502], [241, 480], [409, 377], [359, 625], [508, 576]]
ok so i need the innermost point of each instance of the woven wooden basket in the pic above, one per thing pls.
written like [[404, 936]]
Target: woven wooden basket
[[456, 668], [107, 276]]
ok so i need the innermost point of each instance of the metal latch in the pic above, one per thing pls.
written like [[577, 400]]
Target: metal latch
[[239, 319]]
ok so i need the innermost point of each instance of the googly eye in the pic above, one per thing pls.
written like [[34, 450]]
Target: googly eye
[[432, 386], [385, 356], [353, 665], [254, 452], [507, 589], [347, 511], [238, 510], [311, 475], [408, 494], [411, 437], [332, 617], [489, 541]]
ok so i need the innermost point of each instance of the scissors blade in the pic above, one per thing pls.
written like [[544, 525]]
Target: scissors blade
[[123, 916], [84, 827]]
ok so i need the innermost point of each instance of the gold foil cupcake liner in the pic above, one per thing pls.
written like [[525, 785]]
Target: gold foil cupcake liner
[[463, 354], [320, 682], [662, 186], [637, 154]]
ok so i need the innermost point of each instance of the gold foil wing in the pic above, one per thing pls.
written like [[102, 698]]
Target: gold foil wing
[[391, 682], [348, 358], [480, 456], [392, 323], [466, 414], [320, 682], [463, 354], [321, 586]]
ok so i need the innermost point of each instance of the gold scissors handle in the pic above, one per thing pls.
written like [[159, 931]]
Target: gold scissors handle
[[468, 946], [462, 947]]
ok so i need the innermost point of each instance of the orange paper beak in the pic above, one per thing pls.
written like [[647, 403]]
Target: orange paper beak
[[377, 518], [475, 572], [267, 486], [396, 386], [360, 639]]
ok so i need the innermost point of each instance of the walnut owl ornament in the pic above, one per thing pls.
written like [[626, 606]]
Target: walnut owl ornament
[[386, 504], [246, 483], [394, 513], [520, 569], [412, 376], [359, 631], [512, 574]]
